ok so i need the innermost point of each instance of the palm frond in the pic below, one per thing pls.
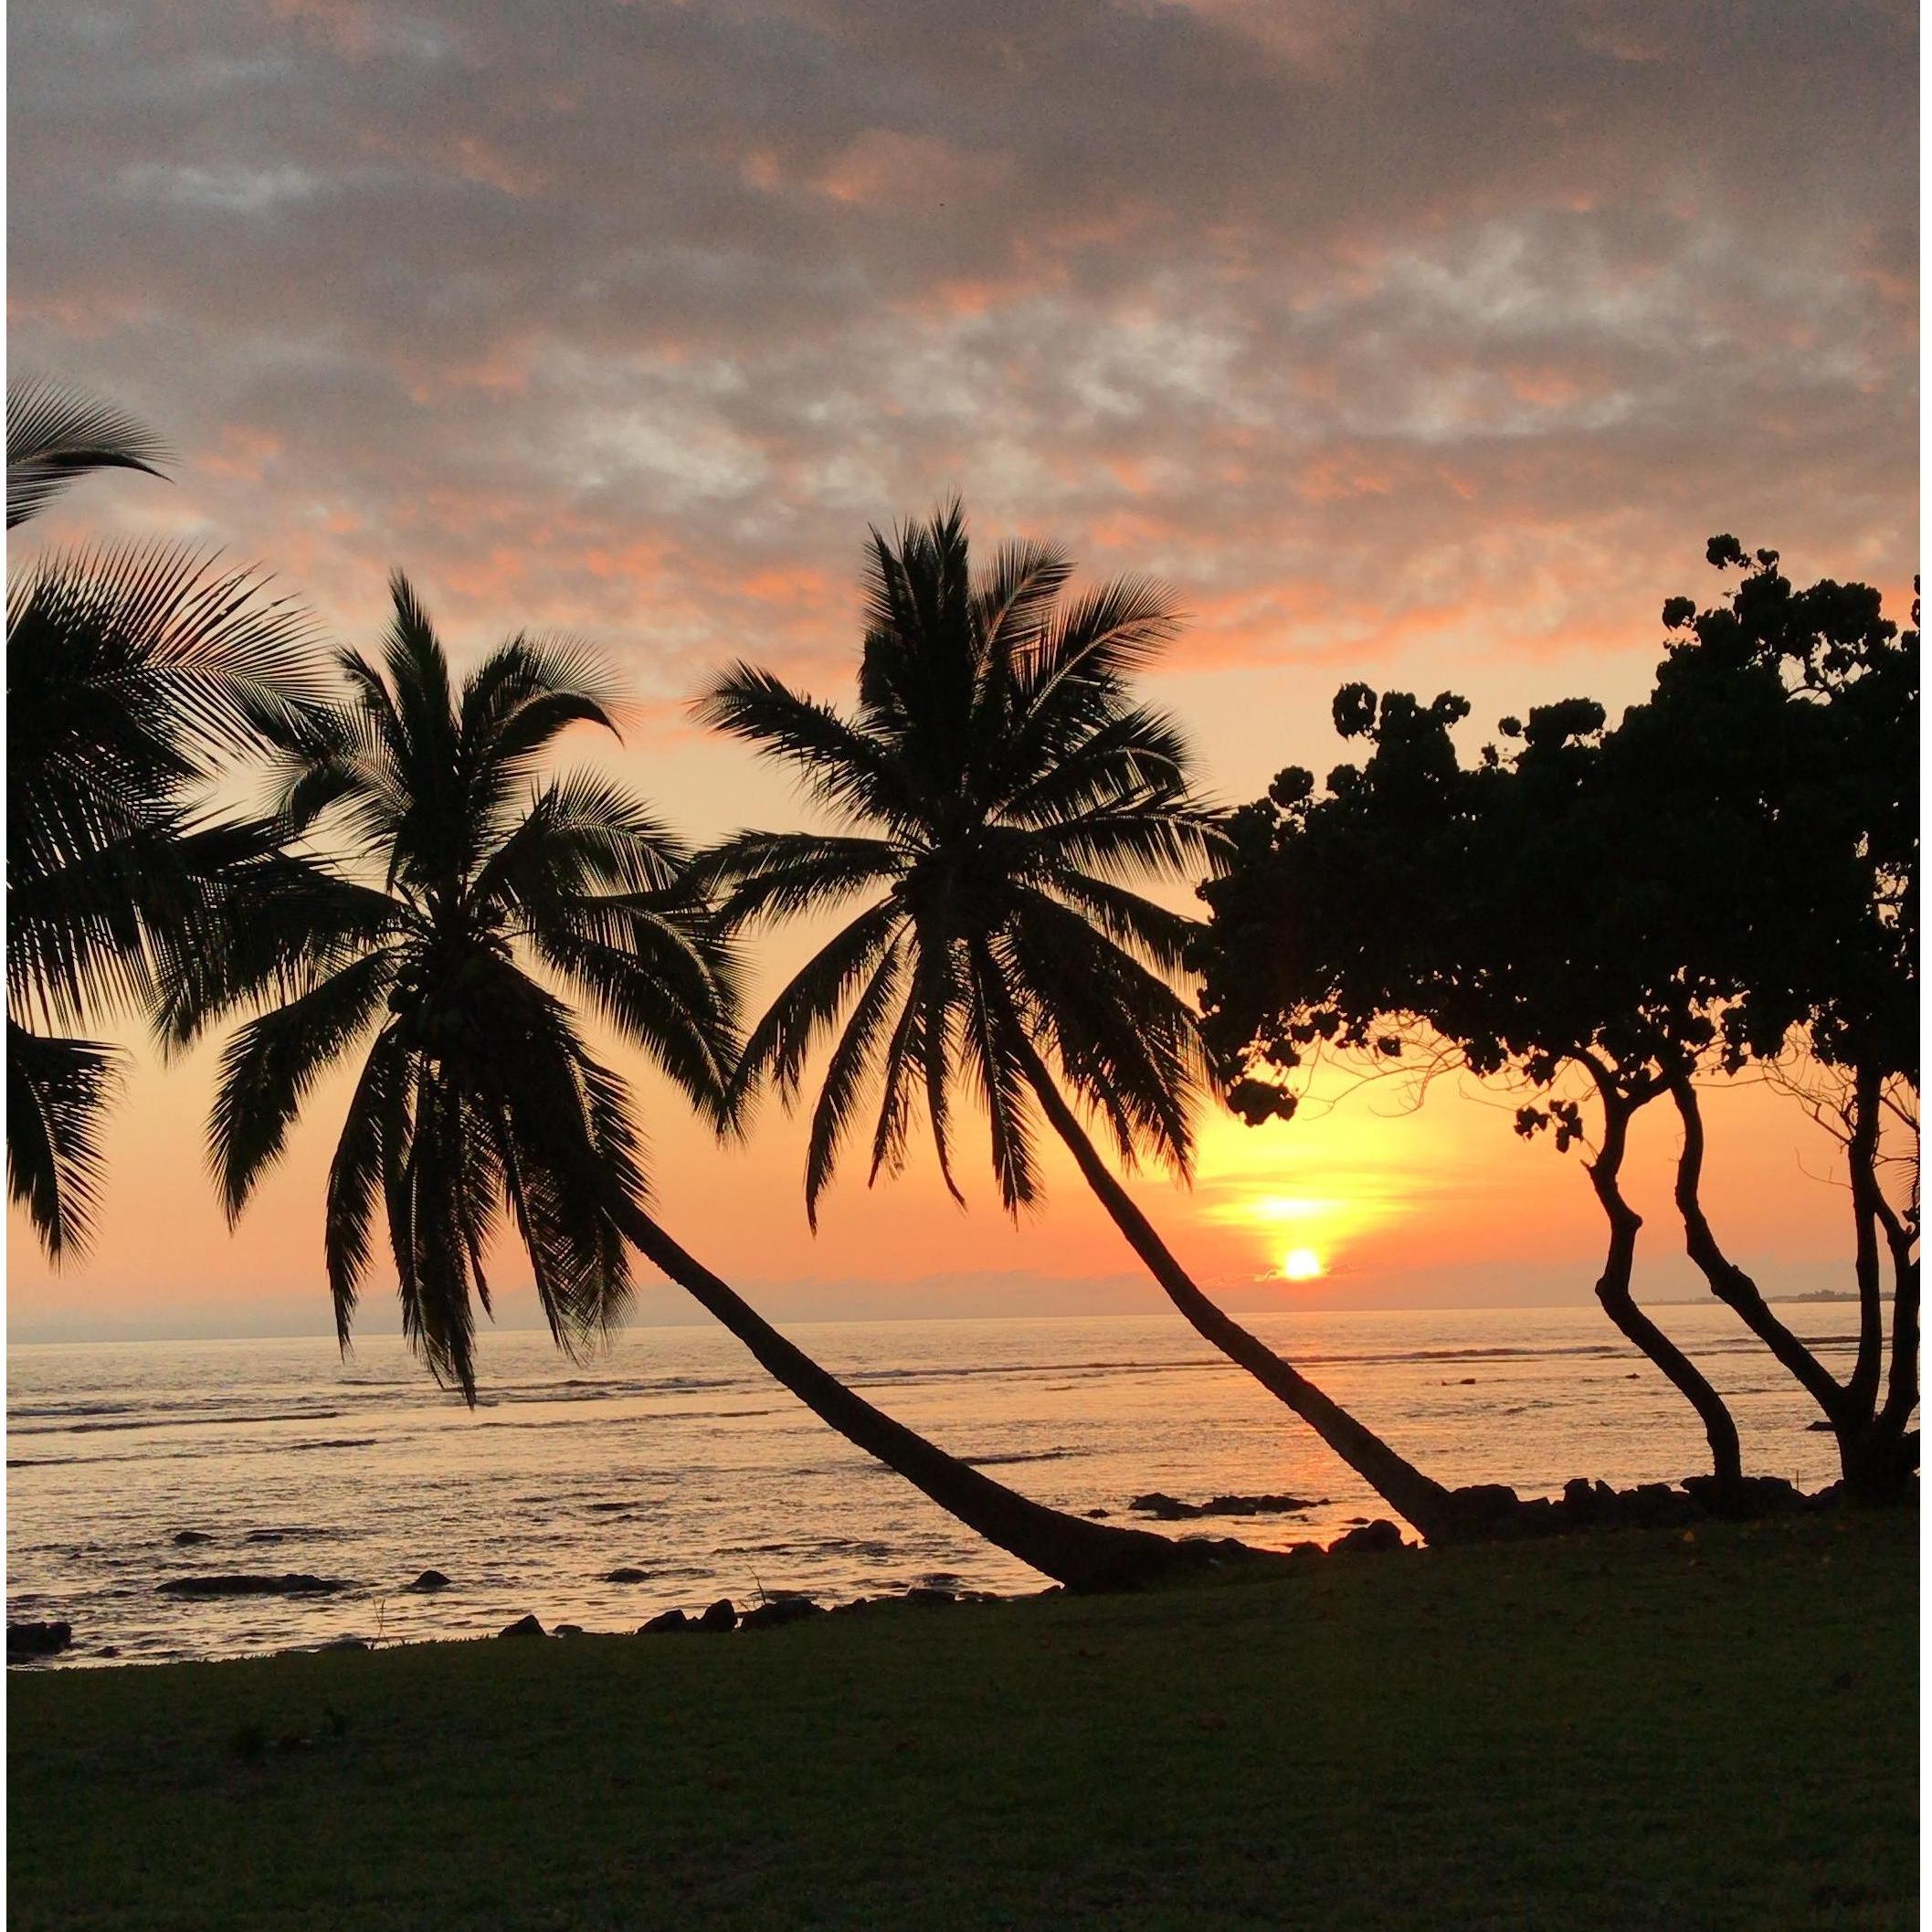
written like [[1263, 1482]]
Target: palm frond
[[846, 1072], [269, 1065], [840, 764], [57, 1093], [55, 435]]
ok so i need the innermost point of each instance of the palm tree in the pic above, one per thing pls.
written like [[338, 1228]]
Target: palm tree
[[441, 913], [1000, 794], [130, 671]]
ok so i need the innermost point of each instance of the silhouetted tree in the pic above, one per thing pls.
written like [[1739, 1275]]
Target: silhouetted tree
[[1784, 733], [447, 913], [134, 673], [1001, 794], [1480, 907], [1729, 877]]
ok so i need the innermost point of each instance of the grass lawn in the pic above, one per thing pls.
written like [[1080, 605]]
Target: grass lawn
[[1629, 1729]]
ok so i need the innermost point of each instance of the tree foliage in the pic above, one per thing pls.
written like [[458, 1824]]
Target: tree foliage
[[136, 674], [446, 906]]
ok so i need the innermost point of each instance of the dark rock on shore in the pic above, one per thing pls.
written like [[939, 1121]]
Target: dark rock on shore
[[1755, 1497], [1484, 1508], [292, 1583], [723, 1615], [1171, 1509], [925, 1593], [346, 1643], [184, 1538], [1493, 1513], [670, 1619], [780, 1610], [430, 1579], [627, 1575], [39, 1640], [568, 1630], [522, 1627], [1372, 1538]]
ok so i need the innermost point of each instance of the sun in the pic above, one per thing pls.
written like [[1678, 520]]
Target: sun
[[1301, 1265]]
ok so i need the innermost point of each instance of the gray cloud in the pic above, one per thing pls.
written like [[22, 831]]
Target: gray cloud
[[1352, 319]]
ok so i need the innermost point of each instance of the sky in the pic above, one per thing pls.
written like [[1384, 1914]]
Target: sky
[[1421, 344]]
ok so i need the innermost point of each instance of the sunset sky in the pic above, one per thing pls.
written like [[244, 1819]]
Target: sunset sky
[[1419, 345]]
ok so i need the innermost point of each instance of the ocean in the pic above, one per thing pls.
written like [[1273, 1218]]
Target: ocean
[[672, 1454]]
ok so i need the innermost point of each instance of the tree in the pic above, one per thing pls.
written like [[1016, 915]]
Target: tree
[[132, 672], [441, 916], [1488, 909], [1002, 794], [1783, 732], [1727, 880]]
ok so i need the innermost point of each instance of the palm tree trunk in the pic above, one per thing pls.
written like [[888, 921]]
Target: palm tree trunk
[[1422, 1499], [1081, 1554], [1613, 1290]]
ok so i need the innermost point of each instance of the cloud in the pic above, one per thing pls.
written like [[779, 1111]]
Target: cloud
[[1357, 322]]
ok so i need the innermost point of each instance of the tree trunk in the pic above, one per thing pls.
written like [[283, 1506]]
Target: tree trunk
[[1422, 1499], [1614, 1291], [1081, 1554], [1861, 1162], [1730, 1282], [1902, 1388]]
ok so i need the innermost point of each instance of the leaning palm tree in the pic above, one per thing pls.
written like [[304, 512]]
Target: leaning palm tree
[[132, 673], [1001, 794], [439, 915]]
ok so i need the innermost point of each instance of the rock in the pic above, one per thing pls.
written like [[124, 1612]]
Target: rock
[[291, 1583], [430, 1579], [1099, 1515], [845, 1610], [1304, 1552], [670, 1619], [568, 1630], [346, 1643], [39, 1640], [780, 1610], [1371, 1538], [1171, 1509], [1753, 1496], [627, 1575], [925, 1593], [522, 1627], [183, 1538], [1656, 1505], [723, 1615], [1487, 1509], [109, 1649], [1587, 1504]]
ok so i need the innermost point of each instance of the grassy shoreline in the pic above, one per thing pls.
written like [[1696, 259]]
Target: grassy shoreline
[[1625, 1729]]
